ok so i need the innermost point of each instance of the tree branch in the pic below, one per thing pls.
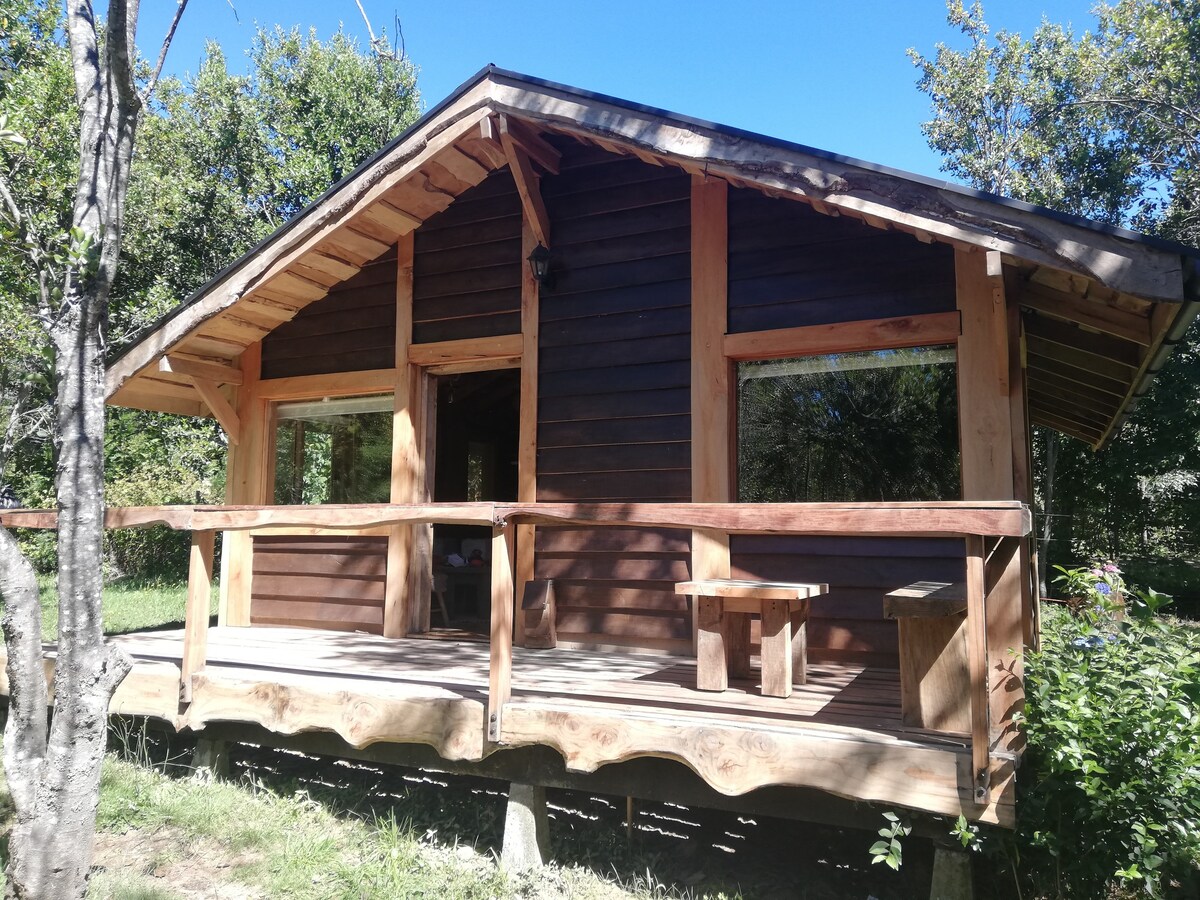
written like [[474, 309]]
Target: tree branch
[[162, 53]]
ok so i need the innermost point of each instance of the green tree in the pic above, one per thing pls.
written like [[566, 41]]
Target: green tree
[[1103, 124]]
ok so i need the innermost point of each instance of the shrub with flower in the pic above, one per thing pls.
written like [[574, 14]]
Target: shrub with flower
[[1096, 592]]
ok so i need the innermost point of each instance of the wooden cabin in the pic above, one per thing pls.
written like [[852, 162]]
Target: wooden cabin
[[567, 422]]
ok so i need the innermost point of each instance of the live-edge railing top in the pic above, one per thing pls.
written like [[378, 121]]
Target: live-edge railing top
[[951, 518], [974, 521]]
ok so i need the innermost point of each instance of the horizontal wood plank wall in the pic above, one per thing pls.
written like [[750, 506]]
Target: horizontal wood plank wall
[[467, 266], [334, 582], [847, 624], [614, 394], [350, 330], [791, 266]]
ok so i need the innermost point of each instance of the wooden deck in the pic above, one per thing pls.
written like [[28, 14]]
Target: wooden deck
[[841, 732]]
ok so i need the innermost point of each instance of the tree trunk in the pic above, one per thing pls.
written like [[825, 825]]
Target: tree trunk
[[57, 774]]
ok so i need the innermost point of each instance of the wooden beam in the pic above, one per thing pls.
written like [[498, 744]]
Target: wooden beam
[[1095, 314], [504, 346], [842, 337], [488, 142], [986, 440], [873, 768], [246, 482], [977, 665], [527, 417], [528, 184], [985, 427], [406, 452], [195, 629], [1023, 475], [536, 147], [713, 440], [500, 649], [221, 410], [952, 518], [336, 384], [216, 372]]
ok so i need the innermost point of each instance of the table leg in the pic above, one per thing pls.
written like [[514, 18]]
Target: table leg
[[776, 649], [800, 643], [711, 671], [737, 644]]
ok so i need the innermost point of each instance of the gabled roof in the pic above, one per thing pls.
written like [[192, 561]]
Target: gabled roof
[[1104, 304]]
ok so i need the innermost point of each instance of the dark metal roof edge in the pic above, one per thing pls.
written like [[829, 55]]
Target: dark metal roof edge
[[493, 70], [939, 184]]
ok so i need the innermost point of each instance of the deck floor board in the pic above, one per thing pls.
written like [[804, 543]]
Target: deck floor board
[[837, 694]]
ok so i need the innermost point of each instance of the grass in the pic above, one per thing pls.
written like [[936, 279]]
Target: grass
[[129, 605]]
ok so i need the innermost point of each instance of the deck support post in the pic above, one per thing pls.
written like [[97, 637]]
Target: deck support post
[[503, 599], [195, 630], [210, 759], [951, 875], [526, 829]]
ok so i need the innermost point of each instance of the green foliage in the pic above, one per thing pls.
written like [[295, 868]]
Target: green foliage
[[1111, 779], [889, 850], [222, 160], [1101, 124]]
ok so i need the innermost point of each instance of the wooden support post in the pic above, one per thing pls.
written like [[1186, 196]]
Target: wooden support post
[[195, 629], [526, 829], [712, 417], [246, 484], [987, 443], [527, 425], [1022, 468], [977, 665], [503, 600], [406, 457]]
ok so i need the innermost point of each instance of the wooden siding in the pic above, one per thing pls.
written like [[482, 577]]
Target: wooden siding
[[847, 625], [791, 266], [350, 330], [614, 393], [334, 582], [467, 266]]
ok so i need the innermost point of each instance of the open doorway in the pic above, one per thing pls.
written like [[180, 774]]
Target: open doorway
[[475, 459]]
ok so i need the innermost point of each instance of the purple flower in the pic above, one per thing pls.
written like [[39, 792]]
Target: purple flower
[[1109, 567], [1095, 572], [1103, 588]]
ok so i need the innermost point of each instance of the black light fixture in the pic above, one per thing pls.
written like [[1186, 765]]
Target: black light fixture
[[539, 265]]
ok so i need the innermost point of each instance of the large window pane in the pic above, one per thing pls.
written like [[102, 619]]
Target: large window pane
[[334, 451], [876, 425]]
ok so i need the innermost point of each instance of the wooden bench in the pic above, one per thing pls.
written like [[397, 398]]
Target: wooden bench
[[932, 620], [724, 607]]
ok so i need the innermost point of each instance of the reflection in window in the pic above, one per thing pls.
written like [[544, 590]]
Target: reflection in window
[[865, 426], [334, 451]]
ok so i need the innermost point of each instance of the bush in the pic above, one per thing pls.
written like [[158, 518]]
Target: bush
[[1111, 778]]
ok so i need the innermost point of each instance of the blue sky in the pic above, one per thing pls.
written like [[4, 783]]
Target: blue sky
[[830, 75]]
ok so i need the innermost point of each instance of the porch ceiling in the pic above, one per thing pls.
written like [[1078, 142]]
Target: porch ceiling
[[1100, 304]]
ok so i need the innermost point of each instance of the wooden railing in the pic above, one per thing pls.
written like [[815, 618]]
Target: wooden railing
[[991, 531]]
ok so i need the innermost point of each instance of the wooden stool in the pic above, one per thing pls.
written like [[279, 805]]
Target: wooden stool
[[724, 607]]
